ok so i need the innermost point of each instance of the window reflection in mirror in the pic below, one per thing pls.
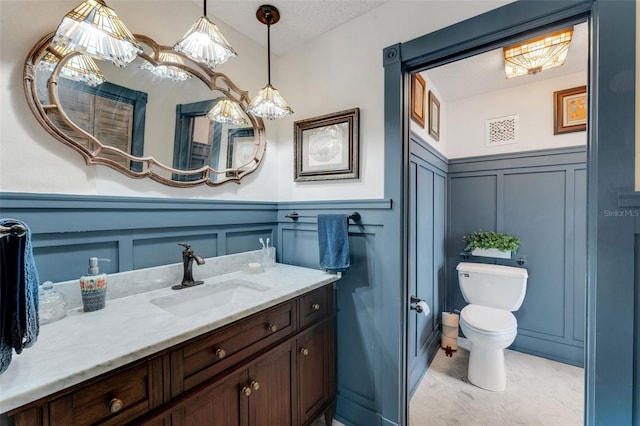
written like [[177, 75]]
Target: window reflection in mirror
[[113, 114]]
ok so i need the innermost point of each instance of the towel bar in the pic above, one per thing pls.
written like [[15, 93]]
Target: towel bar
[[355, 216], [13, 230]]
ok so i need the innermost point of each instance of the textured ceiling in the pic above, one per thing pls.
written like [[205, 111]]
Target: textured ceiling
[[304, 20], [300, 20], [485, 72]]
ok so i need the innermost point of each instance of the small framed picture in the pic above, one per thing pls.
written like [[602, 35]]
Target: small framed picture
[[570, 110], [418, 101], [241, 149], [326, 147], [434, 116]]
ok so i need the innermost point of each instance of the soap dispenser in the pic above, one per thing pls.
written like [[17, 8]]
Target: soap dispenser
[[93, 287]]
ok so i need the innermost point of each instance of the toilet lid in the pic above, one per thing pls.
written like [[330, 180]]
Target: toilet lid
[[488, 320]]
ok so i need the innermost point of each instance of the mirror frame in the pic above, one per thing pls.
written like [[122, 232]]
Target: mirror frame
[[213, 80]]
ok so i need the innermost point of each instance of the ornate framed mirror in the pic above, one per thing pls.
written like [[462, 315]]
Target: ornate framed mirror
[[140, 122]]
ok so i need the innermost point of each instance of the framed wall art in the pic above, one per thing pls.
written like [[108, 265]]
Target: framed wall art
[[434, 116], [326, 147], [570, 110], [418, 93], [241, 146]]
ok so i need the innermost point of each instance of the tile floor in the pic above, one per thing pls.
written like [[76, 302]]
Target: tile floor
[[539, 392], [320, 422]]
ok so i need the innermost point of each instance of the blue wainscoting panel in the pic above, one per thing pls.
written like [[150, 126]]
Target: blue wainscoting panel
[[133, 232], [300, 247], [541, 198], [426, 235], [238, 241], [534, 210], [148, 252], [473, 204], [367, 321], [53, 261], [579, 272]]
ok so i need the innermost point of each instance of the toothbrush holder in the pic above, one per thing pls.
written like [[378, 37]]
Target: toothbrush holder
[[268, 257]]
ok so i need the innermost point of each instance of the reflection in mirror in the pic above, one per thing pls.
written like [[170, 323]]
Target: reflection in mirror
[[201, 142], [147, 120]]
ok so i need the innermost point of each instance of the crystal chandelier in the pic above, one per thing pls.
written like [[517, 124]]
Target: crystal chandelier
[[77, 68], [227, 112], [94, 29], [268, 103], [167, 71], [205, 43]]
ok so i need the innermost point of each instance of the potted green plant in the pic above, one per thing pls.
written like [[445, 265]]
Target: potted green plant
[[491, 244]]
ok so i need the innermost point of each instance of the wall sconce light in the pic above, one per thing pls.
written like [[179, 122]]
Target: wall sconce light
[[94, 29], [268, 103], [538, 54], [205, 43]]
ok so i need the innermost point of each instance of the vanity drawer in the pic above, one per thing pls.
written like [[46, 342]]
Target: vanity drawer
[[209, 356], [315, 305], [118, 398]]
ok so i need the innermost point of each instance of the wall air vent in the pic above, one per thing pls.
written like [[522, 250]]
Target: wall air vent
[[502, 131]]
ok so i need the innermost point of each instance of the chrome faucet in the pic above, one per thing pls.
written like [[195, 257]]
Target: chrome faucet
[[187, 262]]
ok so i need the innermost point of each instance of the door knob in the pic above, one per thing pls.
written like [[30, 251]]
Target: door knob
[[246, 390]]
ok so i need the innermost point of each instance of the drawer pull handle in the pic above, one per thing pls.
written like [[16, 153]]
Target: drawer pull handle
[[115, 405], [315, 306], [220, 353], [246, 390], [304, 351], [273, 328], [255, 385]]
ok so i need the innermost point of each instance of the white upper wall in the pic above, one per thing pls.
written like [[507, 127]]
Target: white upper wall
[[442, 144], [31, 160], [343, 69], [465, 119], [340, 70]]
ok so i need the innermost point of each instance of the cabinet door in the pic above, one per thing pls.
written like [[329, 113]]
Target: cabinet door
[[222, 404], [271, 379], [315, 370]]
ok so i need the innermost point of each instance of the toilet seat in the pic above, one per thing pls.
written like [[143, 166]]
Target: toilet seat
[[487, 320]]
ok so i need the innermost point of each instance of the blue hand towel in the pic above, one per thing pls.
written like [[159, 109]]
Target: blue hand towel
[[333, 242], [19, 320]]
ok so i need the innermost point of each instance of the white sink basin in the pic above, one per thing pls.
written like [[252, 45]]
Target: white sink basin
[[206, 297]]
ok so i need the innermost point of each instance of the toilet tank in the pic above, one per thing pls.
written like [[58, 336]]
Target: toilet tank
[[496, 286]]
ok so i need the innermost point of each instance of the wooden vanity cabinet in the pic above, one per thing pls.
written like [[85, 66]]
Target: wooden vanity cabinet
[[114, 398], [276, 367], [287, 352], [209, 355], [316, 372], [260, 393]]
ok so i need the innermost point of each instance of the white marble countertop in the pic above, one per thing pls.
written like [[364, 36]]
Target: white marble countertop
[[84, 345]]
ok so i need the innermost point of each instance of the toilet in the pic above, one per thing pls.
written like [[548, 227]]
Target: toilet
[[493, 292]]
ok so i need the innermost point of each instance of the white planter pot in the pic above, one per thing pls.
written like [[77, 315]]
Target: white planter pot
[[491, 253]]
